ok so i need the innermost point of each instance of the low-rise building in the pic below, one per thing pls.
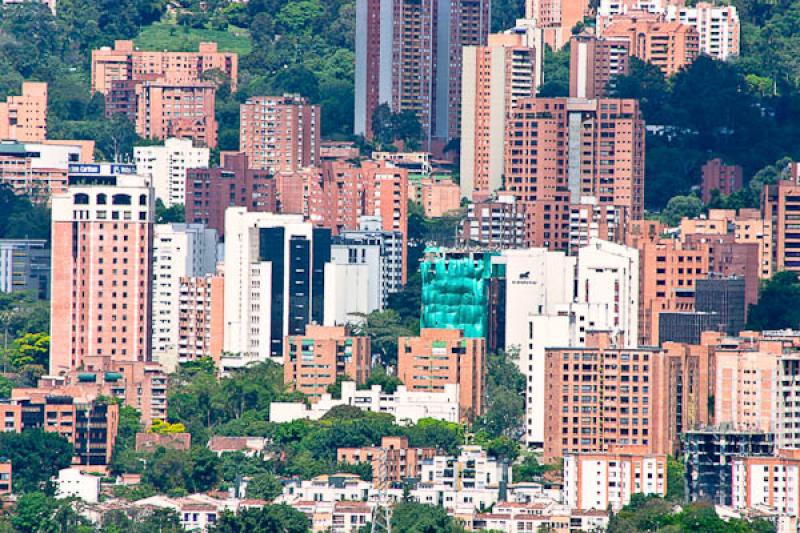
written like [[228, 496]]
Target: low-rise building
[[73, 483], [326, 488], [249, 446], [313, 361], [444, 356], [408, 407], [599, 481], [152, 441], [393, 462]]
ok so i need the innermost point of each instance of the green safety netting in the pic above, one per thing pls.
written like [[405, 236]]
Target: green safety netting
[[455, 292]]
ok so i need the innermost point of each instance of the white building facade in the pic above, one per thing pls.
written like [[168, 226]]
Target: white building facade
[[179, 250], [167, 166]]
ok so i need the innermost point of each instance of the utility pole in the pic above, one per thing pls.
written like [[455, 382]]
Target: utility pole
[[382, 512]]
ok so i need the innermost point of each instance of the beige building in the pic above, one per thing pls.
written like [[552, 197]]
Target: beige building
[[494, 78], [24, 118], [126, 63], [177, 109], [280, 133], [444, 356], [312, 362]]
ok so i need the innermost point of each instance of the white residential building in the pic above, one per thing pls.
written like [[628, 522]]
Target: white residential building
[[179, 250], [770, 482], [390, 243], [718, 26], [597, 481], [274, 282], [406, 406], [167, 166], [353, 281], [327, 488], [553, 300], [72, 483]]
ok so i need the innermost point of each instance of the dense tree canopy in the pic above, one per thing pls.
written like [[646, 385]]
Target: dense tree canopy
[[777, 304]]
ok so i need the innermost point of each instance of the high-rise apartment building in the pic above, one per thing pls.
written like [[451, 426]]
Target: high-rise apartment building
[[780, 205], [183, 110], [201, 318], [179, 251], [166, 166], [670, 46], [601, 396], [717, 176], [25, 266], [125, 63], [496, 223], [594, 62], [780, 491], [24, 118], [313, 361], [561, 150], [101, 270], [717, 25], [210, 191], [280, 133], [555, 300], [444, 356], [408, 55], [557, 18], [274, 281], [494, 78]]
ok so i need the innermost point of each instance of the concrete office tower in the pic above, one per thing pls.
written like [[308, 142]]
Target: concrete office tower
[[595, 163], [102, 266], [670, 46], [274, 281], [313, 361], [555, 300], [25, 266], [408, 55], [494, 78], [280, 133], [210, 191], [167, 165], [556, 18], [173, 109], [124, 63], [24, 118], [439, 357], [594, 62], [179, 250]]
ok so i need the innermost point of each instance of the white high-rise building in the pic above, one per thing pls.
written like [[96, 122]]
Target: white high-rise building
[[167, 166], [179, 250], [274, 282], [554, 300]]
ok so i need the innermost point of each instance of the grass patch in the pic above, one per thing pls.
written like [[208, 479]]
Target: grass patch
[[165, 36]]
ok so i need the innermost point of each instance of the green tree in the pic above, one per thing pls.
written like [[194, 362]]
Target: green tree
[[379, 376], [167, 215], [776, 307], [268, 519], [675, 480], [679, 207], [555, 73], [410, 517], [264, 487], [37, 456], [505, 398], [30, 349]]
